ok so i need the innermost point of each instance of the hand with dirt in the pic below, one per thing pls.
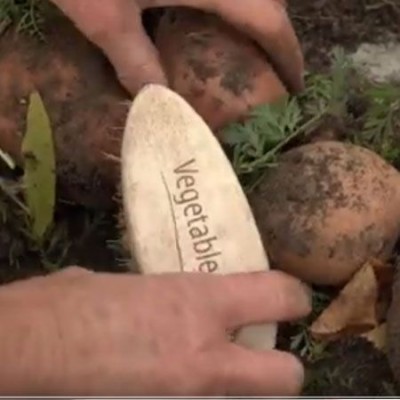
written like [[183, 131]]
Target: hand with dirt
[[82, 333], [116, 28]]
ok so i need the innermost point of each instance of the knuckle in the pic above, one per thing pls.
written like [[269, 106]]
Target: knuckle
[[99, 30], [277, 20], [114, 19]]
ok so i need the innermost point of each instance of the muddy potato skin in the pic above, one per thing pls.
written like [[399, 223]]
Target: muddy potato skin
[[217, 70], [83, 100], [327, 208]]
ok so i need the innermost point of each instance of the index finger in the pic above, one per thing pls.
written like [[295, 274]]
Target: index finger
[[254, 298], [265, 21], [116, 28]]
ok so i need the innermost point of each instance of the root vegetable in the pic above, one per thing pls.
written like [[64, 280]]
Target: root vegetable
[[84, 102], [326, 209], [221, 73]]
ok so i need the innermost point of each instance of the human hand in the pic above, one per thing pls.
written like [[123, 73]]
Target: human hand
[[106, 334], [116, 28]]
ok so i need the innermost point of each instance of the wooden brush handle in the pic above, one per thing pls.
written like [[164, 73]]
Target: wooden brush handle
[[184, 207]]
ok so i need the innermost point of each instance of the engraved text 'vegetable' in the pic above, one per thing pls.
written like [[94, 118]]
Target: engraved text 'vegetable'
[[188, 202]]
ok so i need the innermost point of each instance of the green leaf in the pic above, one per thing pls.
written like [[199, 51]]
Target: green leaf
[[234, 134], [39, 168]]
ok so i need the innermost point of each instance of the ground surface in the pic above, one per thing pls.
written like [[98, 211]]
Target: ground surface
[[323, 24], [348, 367]]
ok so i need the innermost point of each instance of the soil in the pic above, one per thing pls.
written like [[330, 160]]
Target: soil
[[323, 24], [352, 367], [349, 367], [85, 238]]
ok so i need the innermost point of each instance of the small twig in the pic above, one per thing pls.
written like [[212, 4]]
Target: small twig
[[4, 188], [383, 4]]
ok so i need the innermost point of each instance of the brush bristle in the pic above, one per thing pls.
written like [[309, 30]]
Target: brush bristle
[[123, 244]]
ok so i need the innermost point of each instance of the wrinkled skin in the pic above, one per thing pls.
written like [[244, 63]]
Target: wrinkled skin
[[116, 28], [82, 333]]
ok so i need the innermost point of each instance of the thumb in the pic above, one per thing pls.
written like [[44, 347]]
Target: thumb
[[115, 26], [135, 59]]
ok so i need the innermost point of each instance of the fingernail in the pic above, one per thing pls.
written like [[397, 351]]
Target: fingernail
[[300, 375]]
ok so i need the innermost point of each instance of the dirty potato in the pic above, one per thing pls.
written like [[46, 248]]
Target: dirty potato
[[219, 71], [84, 102], [326, 209]]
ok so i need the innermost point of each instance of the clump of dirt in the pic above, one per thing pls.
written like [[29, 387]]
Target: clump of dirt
[[350, 367], [379, 62]]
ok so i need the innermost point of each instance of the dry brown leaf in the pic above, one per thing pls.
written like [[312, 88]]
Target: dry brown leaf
[[377, 337], [384, 273], [354, 311]]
